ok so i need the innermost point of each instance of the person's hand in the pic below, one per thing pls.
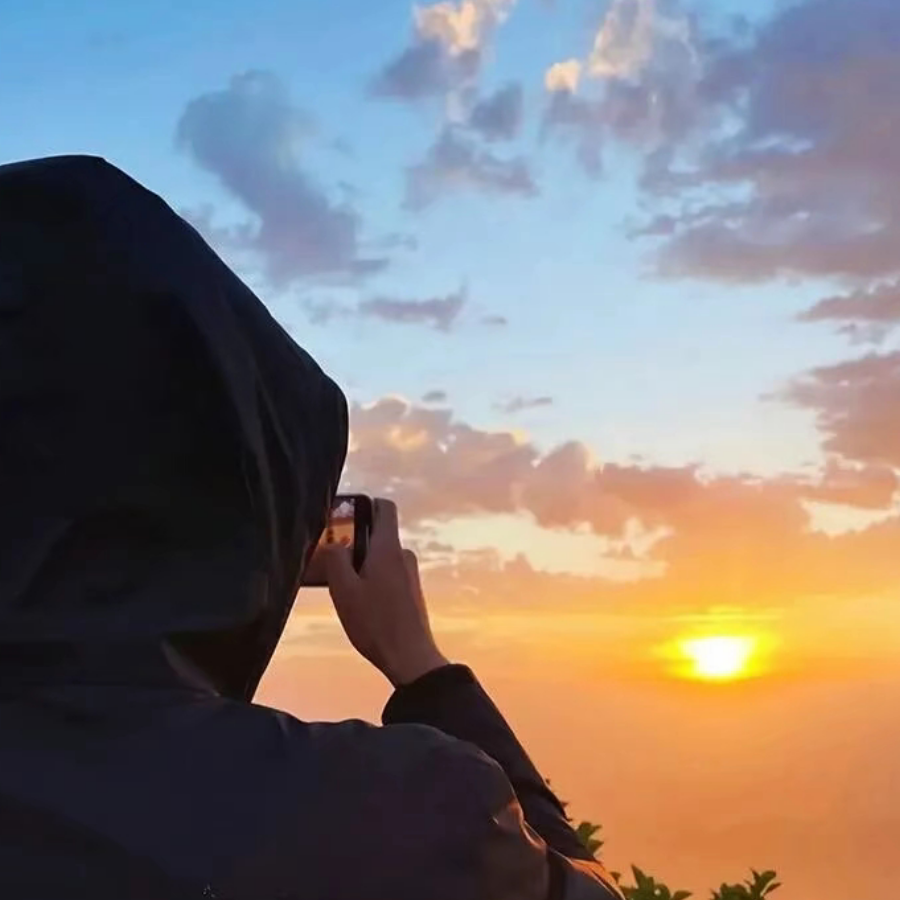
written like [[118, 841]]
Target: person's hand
[[382, 608]]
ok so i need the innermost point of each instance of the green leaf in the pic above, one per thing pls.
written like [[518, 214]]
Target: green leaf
[[640, 879], [646, 887], [586, 832]]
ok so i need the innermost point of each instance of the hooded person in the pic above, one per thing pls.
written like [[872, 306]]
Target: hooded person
[[168, 457]]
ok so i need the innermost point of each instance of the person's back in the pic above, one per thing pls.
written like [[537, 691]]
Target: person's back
[[167, 459], [233, 800]]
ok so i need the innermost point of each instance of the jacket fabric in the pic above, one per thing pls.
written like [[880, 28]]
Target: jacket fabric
[[168, 456]]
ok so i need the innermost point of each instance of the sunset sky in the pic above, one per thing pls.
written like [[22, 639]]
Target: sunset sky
[[613, 287]]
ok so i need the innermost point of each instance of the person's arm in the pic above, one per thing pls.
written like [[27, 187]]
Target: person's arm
[[450, 699], [383, 612]]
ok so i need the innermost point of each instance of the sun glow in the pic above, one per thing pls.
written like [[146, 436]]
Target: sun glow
[[719, 657]]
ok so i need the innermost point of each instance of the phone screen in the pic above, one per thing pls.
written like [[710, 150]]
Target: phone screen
[[348, 526]]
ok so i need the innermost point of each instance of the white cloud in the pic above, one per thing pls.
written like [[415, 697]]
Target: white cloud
[[563, 76], [460, 27], [633, 33], [624, 43], [638, 85]]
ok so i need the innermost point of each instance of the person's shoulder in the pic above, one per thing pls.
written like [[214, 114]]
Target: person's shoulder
[[455, 808], [401, 749], [420, 812], [423, 761], [408, 770]]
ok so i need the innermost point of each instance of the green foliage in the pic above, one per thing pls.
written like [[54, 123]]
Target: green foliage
[[645, 887], [761, 886], [586, 832]]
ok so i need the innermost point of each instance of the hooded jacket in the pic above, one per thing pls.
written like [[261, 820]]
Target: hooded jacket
[[168, 456]]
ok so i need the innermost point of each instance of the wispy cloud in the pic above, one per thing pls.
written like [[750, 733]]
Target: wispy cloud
[[455, 163], [425, 70], [440, 313], [867, 315], [499, 117], [520, 404]]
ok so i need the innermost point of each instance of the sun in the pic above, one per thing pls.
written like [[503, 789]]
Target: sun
[[719, 658]]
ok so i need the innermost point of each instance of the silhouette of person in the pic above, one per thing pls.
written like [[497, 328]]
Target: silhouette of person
[[168, 456]]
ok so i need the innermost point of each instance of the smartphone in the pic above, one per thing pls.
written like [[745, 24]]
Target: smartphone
[[349, 525]]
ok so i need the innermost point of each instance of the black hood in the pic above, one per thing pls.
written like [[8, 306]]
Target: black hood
[[167, 453]]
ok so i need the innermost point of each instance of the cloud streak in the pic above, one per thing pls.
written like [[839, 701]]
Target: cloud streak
[[455, 163], [867, 315], [520, 404], [440, 313]]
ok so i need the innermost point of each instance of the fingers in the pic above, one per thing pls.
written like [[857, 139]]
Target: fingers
[[411, 562], [386, 524], [339, 570]]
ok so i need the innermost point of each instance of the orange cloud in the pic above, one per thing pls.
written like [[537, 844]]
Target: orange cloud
[[867, 315], [857, 405], [727, 539]]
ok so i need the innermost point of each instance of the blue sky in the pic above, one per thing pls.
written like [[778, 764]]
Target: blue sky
[[447, 197], [634, 364]]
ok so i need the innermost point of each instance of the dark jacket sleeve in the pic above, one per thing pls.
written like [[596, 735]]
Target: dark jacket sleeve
[[452, 700]]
